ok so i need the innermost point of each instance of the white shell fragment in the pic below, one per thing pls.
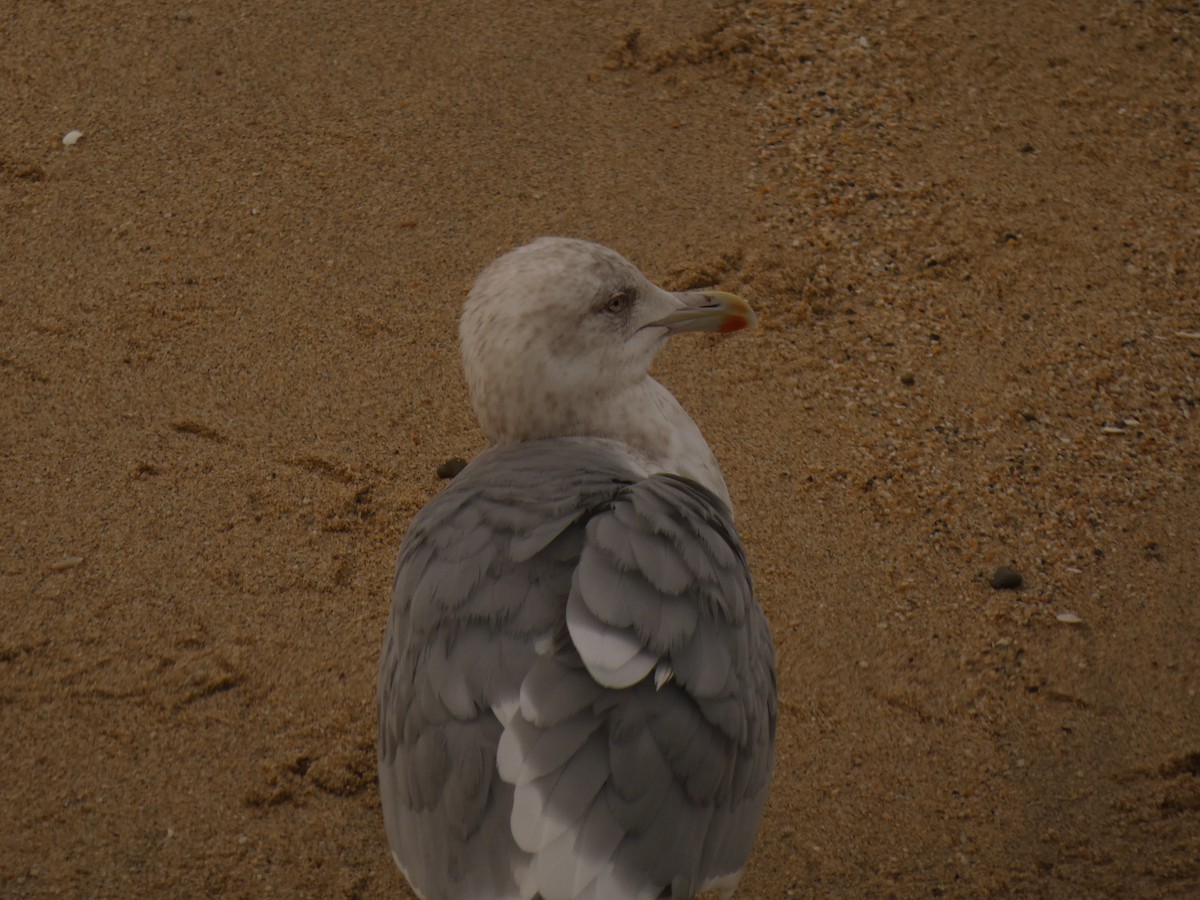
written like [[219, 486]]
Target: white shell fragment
[[71, 138], [1069, 618]]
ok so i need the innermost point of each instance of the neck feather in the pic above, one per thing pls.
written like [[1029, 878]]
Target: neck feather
[[645, 417]]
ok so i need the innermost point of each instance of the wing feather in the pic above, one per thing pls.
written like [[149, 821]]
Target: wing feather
[[481, 578], [530, 742], [688, 758], [551, 693]]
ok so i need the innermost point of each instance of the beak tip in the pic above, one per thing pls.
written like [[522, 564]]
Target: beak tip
[[736, 322], [739, 314]]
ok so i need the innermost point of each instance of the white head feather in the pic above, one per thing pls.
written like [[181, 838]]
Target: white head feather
[[557, 341]]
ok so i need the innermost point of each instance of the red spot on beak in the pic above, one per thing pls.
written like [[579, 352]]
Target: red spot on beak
[[733, 323]]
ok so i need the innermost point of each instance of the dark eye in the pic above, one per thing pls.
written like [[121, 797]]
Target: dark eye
[[618, 302]]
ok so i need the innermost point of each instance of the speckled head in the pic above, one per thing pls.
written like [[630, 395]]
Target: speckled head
[[558, 337]]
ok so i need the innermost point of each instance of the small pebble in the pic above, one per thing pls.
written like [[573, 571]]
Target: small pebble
[[1005, 579], [1068, 618], [451, 467], [71, 138]]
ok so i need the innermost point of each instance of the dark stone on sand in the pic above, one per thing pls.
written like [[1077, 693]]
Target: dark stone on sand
[[451, 467], [1005, 579]]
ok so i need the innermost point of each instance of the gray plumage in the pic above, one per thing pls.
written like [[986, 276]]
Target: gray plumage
[[577, 691]]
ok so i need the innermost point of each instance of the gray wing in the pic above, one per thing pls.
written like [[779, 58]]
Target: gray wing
[[642, 747], [482, 577], [577, 688]]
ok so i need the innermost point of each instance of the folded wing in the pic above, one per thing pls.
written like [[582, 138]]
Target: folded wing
[[577, 687]]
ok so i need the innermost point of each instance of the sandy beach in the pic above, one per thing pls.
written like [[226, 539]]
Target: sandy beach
[[229, 372]]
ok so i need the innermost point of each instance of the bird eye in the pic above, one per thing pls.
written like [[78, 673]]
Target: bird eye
[[618, 302]]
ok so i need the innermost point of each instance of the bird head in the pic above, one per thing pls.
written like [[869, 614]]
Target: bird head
[[553, 331]]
